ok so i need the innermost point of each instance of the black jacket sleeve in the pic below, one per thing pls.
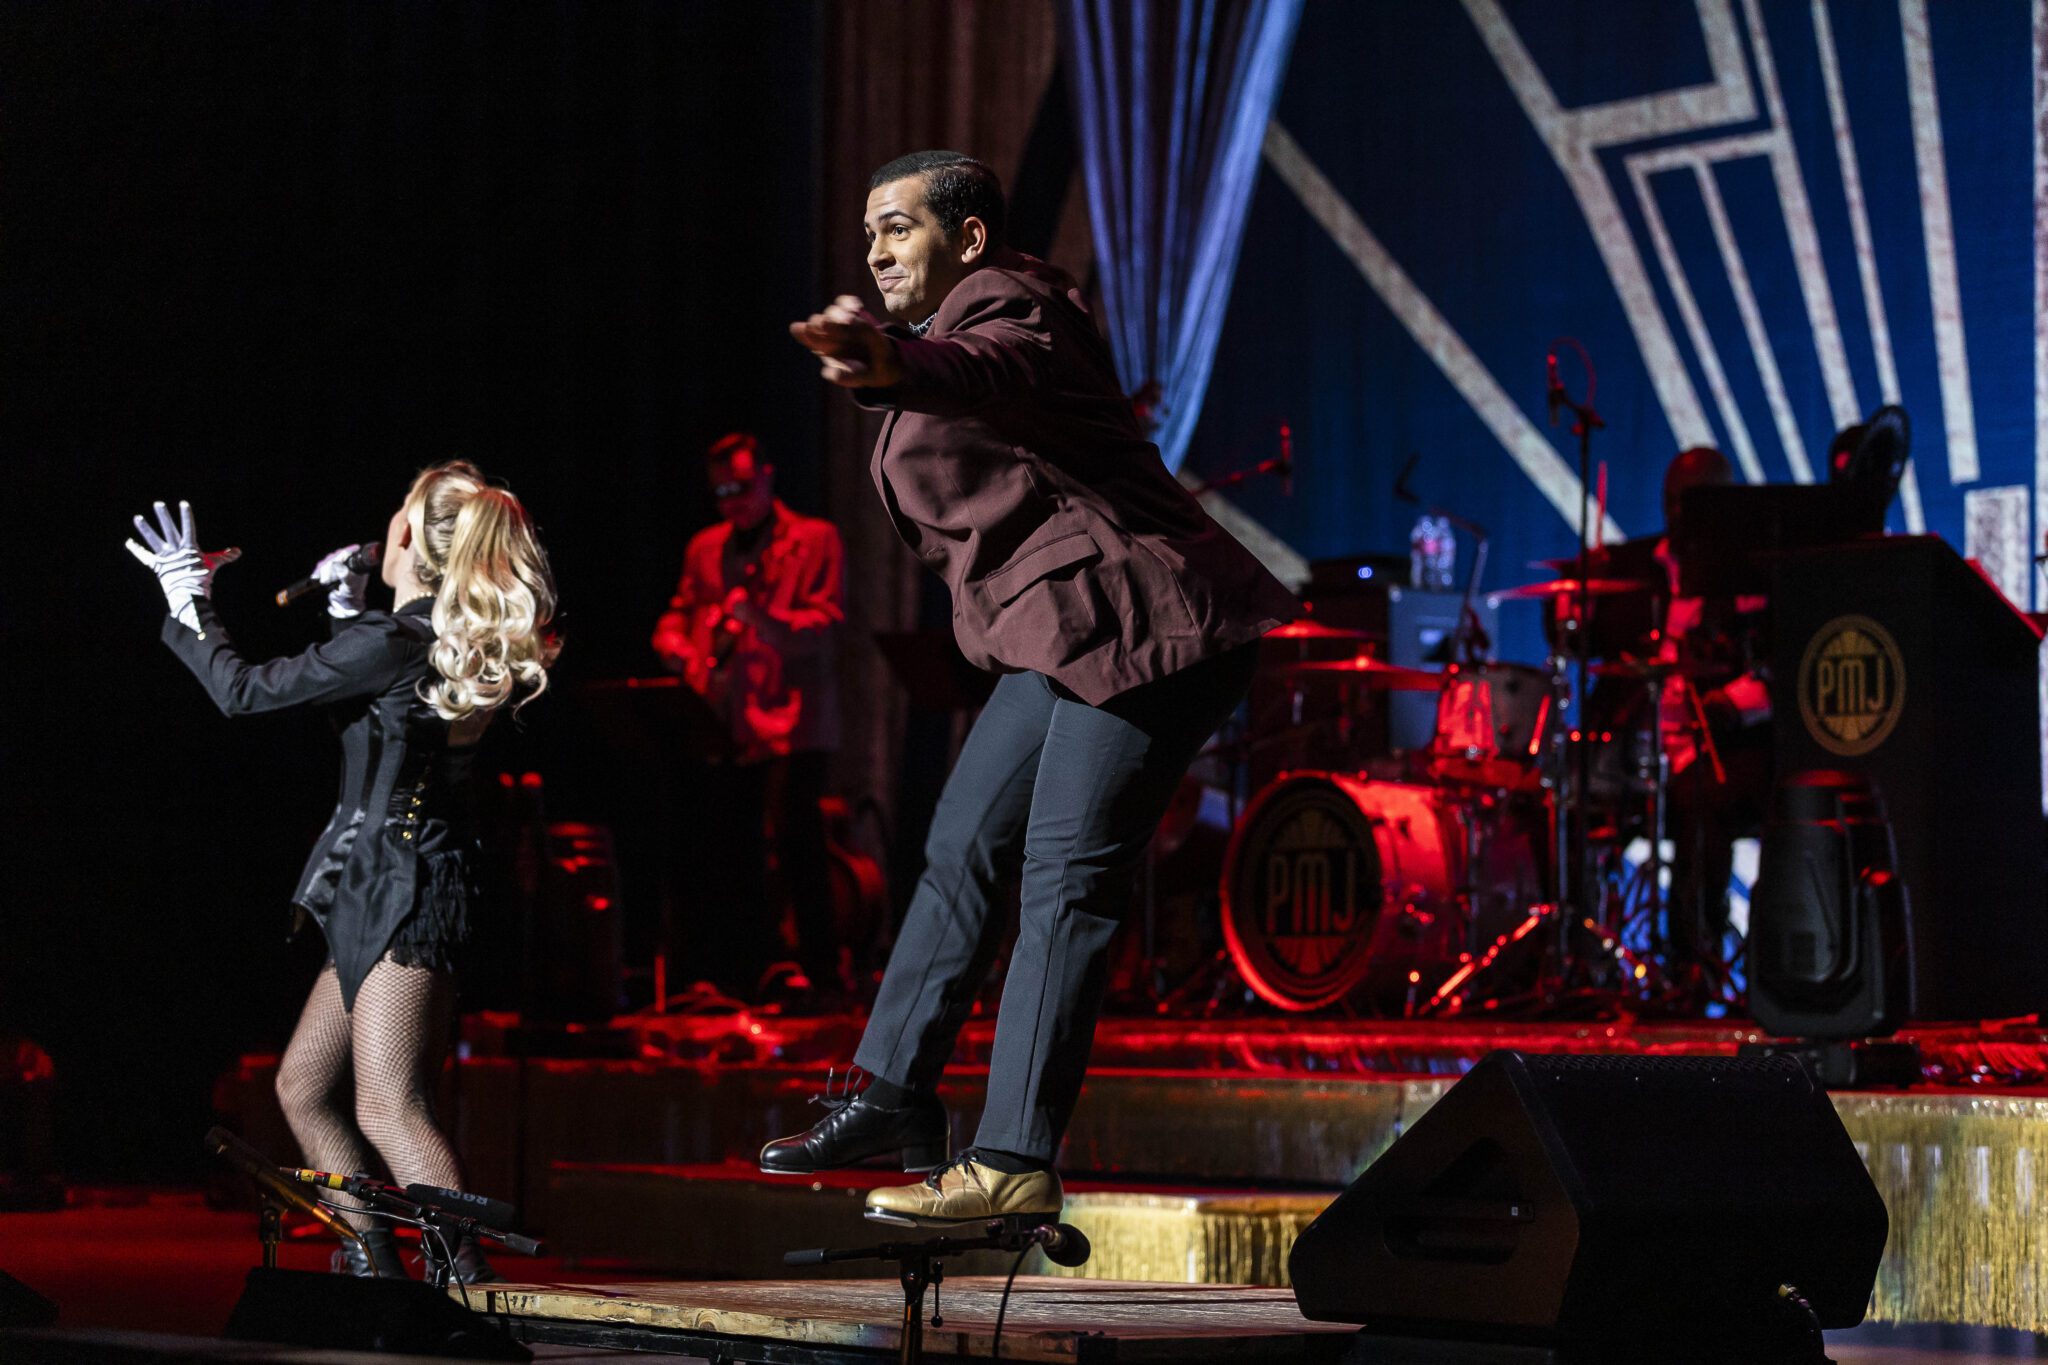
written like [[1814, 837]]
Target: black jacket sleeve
[[365, 657]]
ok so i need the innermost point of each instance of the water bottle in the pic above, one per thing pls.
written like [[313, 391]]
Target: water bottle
[[1432, 553]]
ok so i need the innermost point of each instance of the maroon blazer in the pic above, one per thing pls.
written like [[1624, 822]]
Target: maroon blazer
[[1012, 463]]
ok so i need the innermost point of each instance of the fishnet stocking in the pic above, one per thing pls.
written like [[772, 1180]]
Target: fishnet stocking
[[311, 1080], [401, 1036], [391, 1049]]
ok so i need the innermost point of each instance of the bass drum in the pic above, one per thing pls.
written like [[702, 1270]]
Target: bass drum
[[1336, 887]]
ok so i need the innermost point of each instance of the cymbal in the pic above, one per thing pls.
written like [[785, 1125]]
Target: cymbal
[[1369, 672], [1316, 630], [1569, 587]]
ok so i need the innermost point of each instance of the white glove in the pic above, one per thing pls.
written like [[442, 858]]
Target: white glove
[[182, 569], [347, 589]]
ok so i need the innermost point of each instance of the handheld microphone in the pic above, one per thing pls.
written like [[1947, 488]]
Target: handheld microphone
[[1554, 387], [362, 561], [253, 1164], [1063, 1244]]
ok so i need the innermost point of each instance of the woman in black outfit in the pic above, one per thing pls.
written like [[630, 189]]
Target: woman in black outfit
[[392, 880]]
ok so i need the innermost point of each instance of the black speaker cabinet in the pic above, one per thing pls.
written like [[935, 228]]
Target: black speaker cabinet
[[1559, 1200], [340, 1312]]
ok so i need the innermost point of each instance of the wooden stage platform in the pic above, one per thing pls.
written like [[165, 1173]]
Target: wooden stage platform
[[1057, 1322], [1199, 1148]]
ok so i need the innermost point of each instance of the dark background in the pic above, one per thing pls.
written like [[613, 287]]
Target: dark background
[[273, 259]]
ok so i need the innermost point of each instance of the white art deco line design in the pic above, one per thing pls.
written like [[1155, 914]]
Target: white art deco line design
[[1639, 169], [1698, 159], [1806, 253], [1995, 535], [1952, 356], [1753, 326], [1575, 139], [1866, 253], [1522, 439]]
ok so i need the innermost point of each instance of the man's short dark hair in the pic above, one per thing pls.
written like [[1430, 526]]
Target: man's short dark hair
[[727, 448], [956, 188]]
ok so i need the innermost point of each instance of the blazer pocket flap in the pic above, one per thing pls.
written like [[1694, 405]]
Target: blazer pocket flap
[[1006, 583]]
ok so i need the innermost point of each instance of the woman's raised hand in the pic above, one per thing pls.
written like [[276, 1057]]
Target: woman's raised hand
[[348, 588], [171, 551]]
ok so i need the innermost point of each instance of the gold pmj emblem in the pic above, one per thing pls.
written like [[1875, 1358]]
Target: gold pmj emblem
[[1852, 685]]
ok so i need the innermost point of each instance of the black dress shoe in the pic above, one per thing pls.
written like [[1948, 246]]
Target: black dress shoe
[[857, 1130], [470, 1266], [377, 1258]]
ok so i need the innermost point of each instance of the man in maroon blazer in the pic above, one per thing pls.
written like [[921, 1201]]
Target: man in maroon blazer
[[1124, 622]]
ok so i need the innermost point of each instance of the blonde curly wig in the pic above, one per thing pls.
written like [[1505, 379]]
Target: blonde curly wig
[[494, 596]]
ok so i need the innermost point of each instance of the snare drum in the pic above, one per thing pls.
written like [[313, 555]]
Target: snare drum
[[1494, 722]]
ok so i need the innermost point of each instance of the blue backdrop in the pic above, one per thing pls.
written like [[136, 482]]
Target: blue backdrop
[[1762, 218]]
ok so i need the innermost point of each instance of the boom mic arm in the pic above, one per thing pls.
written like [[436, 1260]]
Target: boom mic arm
[[253, 1164]]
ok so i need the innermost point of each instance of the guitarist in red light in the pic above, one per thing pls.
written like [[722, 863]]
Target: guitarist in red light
[[753, 627]]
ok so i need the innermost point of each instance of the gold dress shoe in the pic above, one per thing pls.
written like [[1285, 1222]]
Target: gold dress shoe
[[965, 1191]]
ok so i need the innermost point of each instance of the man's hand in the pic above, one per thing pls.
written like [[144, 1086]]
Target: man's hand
[[854, 353], [740, 606]]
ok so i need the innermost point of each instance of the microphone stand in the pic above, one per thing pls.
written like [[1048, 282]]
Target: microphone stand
[[1281, 466], [1463, 649], [920, 1266], [445, 1224], [1585, 421], [277, 1194]]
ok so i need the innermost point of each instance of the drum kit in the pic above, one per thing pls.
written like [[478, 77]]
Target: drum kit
[[1484, 874]]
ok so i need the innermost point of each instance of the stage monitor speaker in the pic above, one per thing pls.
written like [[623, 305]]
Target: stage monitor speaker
[[1582, 1200], [21, 1306], [341, 1312]]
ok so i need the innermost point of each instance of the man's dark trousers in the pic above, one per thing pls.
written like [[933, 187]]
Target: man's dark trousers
[[1063, 796]]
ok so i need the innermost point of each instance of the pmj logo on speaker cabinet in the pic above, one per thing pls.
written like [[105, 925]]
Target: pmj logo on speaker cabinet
[[1852, 685]]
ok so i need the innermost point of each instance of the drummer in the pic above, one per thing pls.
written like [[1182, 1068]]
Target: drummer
[[1715, 713]]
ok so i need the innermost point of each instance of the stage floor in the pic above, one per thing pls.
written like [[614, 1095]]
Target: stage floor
[[1075, 1322], [130, 1266], [1198, 1150], [1052, 1322]]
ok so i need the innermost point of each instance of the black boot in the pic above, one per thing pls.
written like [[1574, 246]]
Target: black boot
[[470, 1266], [377, 1257], [859, 1130]]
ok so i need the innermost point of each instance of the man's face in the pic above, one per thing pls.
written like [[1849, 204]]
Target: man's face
[[744, 489], [914, 263]]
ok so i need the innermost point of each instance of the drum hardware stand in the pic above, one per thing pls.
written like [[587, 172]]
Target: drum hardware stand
[[270, 1230], [1585, 421], [1651, 901], [1233, 739]]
